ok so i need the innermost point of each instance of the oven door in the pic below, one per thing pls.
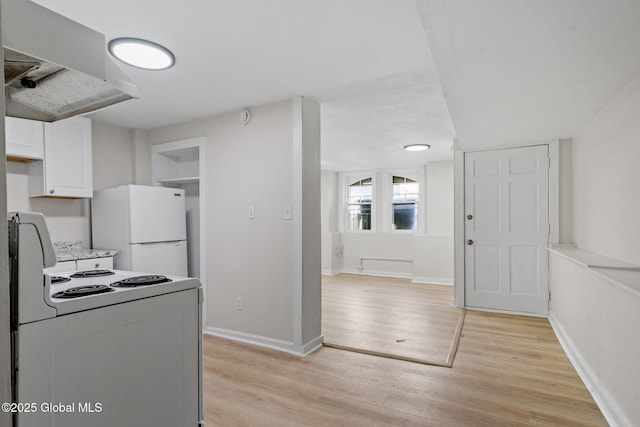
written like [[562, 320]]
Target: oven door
[[135, 363]]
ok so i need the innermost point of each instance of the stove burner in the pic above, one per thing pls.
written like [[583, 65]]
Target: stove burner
[[91, 273], [83, 291], [132, 282], [59, 279]]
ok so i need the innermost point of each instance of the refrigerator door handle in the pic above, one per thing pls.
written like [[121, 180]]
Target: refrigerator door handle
[[174, 243]]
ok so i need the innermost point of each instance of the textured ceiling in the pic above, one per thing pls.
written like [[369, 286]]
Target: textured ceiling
[[368, 59], [512, 71], [523, 71], [366, 126]]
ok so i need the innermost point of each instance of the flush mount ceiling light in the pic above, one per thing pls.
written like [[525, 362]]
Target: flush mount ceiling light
[[417, 147], [141, 53]]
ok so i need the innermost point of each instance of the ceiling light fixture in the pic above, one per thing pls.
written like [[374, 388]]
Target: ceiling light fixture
[[141, 53], [417, 147]]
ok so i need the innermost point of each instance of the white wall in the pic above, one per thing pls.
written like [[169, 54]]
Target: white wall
[[330, 243], [306, 222], [597, 322], [192, 206], [606, 177], [439, 194], [112, 155], [430, 253], [249, 165], [596, 319], [69, 219], [566, 192]]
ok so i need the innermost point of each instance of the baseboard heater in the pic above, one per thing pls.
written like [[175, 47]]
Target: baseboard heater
[[361, 268]]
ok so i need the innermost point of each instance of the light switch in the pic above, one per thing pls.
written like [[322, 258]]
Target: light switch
[[252, 212], [286, 212]]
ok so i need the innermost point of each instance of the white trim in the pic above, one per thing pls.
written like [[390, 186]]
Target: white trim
[[330, 272], [554, 192], [417, 174], [296, 245], [201, 143], [553, 152], [607, 405], [432, 280], [378, 273], [266, 342], [506, 146], [517, 313], [458, 228], [343, 219]]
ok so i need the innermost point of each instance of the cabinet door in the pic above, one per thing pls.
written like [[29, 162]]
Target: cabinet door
[[24, 138], [68, 160]]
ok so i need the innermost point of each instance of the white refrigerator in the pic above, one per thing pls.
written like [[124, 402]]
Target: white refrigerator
[[146, 225]]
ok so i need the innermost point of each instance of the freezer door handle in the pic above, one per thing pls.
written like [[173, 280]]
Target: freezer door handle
[[154, 244]]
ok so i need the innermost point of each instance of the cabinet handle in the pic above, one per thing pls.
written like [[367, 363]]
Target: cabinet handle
[[52, 191]]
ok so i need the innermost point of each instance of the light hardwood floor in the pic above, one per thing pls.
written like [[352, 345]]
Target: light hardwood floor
[[509, 371], [390, 317]]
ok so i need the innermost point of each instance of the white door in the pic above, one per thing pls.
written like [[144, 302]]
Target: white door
[[160, 258], [507, 229], [157, 214]]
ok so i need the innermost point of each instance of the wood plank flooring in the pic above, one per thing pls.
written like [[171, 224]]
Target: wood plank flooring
[[390, 317], [509, 371]]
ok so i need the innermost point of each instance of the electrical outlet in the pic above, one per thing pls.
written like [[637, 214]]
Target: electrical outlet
[[239, 303]]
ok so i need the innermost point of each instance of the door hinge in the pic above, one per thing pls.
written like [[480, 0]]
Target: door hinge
[[548, 163], [548, 295], [549, 230]]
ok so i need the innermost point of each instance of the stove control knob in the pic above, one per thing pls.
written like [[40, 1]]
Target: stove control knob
[[52, 191]]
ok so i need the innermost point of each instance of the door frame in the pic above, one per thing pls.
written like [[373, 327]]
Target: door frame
[[459, 208], [200, 143]]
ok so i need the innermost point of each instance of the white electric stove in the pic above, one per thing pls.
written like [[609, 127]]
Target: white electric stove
[[100, 347], [88, 289]]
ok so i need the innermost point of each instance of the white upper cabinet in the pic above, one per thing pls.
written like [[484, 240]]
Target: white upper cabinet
[[66, 170], [24, 139]]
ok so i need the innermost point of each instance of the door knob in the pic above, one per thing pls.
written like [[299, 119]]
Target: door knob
[[469, 216], [469, 242]]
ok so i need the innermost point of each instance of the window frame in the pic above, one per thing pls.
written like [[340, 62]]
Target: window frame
[[416, 175], [346, 180]]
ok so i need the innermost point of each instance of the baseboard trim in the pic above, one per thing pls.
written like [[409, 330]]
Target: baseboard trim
[[609, 408], [328, 272], [271, 343], [517, 313], [378, 273], [432, 280], [312, 345]]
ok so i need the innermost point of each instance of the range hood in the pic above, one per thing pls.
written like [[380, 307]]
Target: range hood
[[55, 67]]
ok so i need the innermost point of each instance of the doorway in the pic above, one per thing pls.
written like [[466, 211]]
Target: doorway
[[507, 229], [182, 164]]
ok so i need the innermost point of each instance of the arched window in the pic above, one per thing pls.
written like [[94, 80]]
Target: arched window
[[359, 199], [405, 198]]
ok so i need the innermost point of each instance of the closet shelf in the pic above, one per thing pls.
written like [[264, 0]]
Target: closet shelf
[[176, 181]]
